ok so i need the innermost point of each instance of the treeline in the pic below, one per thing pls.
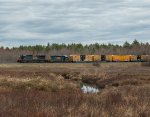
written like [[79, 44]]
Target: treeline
[[11, 54]]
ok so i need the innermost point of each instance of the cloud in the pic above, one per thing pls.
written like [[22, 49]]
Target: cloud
[[73, 21]]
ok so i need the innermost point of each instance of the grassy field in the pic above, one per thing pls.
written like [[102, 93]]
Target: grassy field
[[54, 90]]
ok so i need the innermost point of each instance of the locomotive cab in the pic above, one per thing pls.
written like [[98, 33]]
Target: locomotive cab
[[25, 58], [19, 59]]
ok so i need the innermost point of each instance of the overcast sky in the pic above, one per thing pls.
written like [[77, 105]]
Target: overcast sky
[[29, 22]]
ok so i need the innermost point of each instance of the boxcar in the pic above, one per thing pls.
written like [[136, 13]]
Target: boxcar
[[119, 58], [92, 58], [109, 58], [89, 58], [74, 58], [145, 58], [126, 58], [97, 58], [134, 58]]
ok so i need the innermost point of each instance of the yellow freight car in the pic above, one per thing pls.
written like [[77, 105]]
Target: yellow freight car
[[48, 58], [109, 58], [92, 58], [121, 58], [133, 58], [126, 58], [145, 58], [117, 58], [89, 58], [74, 58], [97, 57]]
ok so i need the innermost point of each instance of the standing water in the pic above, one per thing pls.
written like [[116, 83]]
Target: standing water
[[89, 89]]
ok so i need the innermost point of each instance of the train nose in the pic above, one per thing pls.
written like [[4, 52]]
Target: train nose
[[18, 60]]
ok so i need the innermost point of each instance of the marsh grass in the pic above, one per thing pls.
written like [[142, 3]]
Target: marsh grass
[[115, 102], [47, 90], [36, 84]]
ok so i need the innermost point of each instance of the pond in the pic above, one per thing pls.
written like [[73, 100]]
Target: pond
[[89, 89]]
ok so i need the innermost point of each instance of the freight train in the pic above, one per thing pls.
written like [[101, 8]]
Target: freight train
[[81, 58]]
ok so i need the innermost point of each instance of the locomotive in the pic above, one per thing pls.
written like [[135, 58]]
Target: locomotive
[[81, 58]]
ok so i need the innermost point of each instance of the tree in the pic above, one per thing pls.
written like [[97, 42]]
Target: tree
[[135, 43], [126, 45], [47, 49]]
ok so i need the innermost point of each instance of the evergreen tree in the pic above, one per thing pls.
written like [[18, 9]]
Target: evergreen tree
[[126, 45], [135, 43]]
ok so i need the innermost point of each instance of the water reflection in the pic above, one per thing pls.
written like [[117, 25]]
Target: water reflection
[[89, 89]]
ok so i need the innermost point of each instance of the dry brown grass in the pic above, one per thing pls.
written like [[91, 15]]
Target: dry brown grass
[[42, 90], [37, 84], [121, 102]]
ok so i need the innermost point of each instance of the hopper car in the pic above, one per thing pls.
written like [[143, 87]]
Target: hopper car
[[81, 58]]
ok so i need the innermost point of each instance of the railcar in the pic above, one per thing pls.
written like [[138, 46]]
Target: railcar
[[25, 58], [32, 59], [74, 58], [59, 59], [145, 58], [92, 58], [121, 58], [134, 58], [109, 58]]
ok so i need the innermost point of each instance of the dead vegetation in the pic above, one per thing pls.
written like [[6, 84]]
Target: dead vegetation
[[36, 84], [147, 64], [53, 90], [114, 102]]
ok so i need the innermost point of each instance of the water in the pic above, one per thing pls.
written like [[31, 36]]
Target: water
[[89, 89]]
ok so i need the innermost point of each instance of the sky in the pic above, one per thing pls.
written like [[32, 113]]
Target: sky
[[30, 22]]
